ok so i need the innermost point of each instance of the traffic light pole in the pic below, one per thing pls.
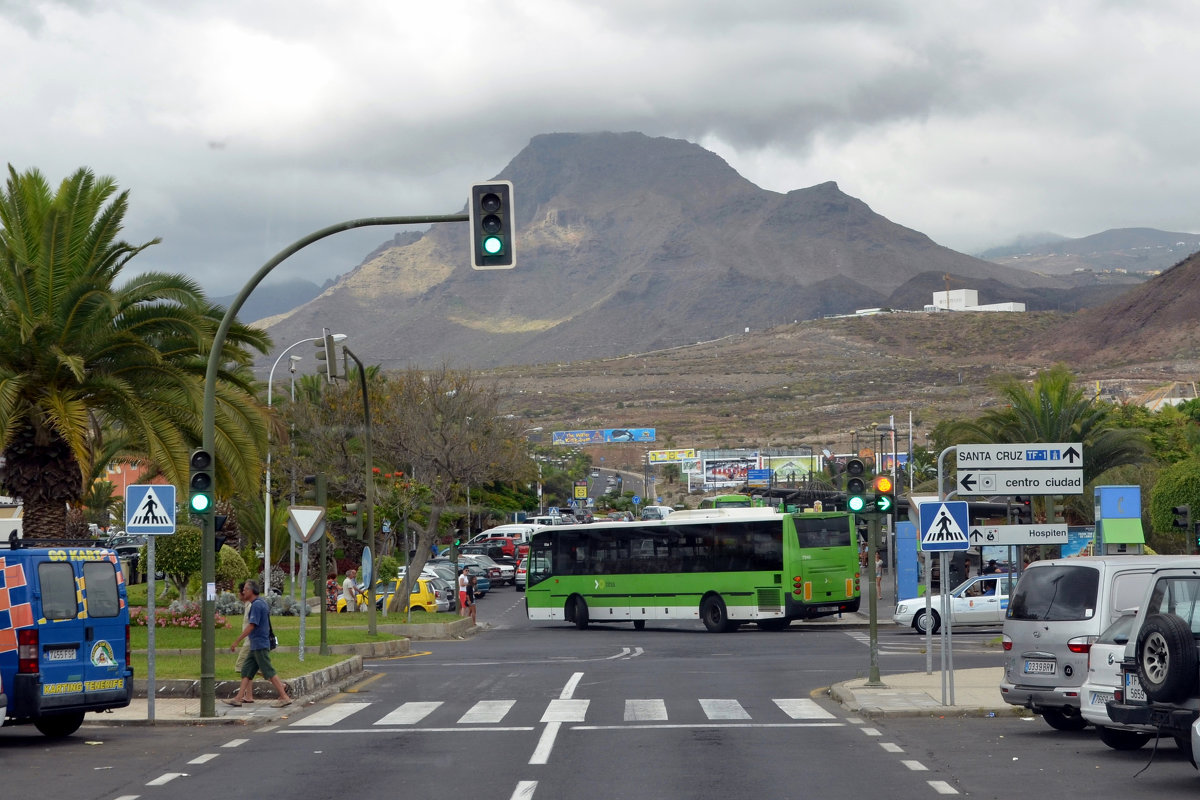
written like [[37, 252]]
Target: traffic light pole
[[208, 558], [370, 490], [873, 679]]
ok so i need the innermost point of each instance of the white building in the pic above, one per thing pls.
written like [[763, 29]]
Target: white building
[[967, 300]]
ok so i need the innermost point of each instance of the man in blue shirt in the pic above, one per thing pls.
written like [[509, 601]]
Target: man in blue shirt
[[258, 631]]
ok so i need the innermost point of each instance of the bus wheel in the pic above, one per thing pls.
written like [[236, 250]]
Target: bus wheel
[[579, 612], [714, 614], [773, 624], [639, 624], [59, 725]]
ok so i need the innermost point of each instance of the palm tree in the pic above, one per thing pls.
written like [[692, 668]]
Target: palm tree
[[82, 358]]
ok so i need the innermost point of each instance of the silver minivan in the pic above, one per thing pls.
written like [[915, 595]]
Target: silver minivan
[[1058, 609]]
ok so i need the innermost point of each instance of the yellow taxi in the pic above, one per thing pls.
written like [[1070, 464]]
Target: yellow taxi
[[422, 598]]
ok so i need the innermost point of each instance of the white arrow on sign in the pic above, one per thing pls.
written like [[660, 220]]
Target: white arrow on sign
[[306, 522]]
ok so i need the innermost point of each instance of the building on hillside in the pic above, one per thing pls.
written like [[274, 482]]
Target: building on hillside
[[1172, 394], [967, 300]]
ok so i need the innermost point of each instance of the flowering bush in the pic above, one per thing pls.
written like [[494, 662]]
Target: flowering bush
[[176, 615]]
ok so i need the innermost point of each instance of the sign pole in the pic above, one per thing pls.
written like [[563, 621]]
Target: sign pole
[[152, 624]]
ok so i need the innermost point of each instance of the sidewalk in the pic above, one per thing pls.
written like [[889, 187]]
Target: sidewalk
[[976, 694]]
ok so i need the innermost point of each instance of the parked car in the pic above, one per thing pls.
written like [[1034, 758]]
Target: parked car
[[656, 512], [483, 583], [1103, 681], [980, 601], [422, 597], [1058, 609], [129, 551], [620, 516], [1159, 673], [497, 572], [519, 579]]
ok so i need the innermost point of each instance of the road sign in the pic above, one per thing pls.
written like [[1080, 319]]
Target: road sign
[[1020, 456], [944, 525], [1020, 481], [150, 508], [637, 500], [306, 523], [989, 535]]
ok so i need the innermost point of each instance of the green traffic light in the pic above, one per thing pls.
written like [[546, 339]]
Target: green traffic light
[[493, 245], [201, 503], [856, 503], [883, 503]]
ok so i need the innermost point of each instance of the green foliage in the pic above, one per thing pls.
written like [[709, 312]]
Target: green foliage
[[231, 568], [387, 568], [1177, 485], [178, 556]]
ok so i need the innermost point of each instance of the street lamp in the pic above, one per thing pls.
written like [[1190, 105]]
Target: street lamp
[[337, 337]]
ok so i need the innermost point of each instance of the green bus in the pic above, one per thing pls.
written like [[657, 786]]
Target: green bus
[[727, 501], [725, 567]]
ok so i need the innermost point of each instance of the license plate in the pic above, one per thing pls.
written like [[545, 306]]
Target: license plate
[[827, 608], [1039, 667], [60, 654], [1100, 698], [1133, 688]]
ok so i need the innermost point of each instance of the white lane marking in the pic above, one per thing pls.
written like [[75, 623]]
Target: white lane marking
[[166, 777], [486, 711], [235, 743], [915, 766], [624, 652], [891, 747], [409, 714], [645, 710], [129, 797], [871, 731], [941, 787], [569, 690], [392, 731], [724, 709], [204, 759], [854, 720], [566, 711], [672, 726], [524, 790], [541, 753], [803, 708], [330, 715]]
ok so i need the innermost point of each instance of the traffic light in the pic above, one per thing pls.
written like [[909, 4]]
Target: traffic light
[[884, 491], [856, 485], [1023, 508], [1058, 509], [353, 512], [1183, 517], [316, 489], [329, 352], [490, 213], [200, 484]]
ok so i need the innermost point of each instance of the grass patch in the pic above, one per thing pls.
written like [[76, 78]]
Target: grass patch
[[288, 665]]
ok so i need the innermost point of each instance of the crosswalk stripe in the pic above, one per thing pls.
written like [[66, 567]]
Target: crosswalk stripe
[[724, 709], [803, 708], [645, 710], [561, 710], [409, 714], [487, 711], [330, 715]]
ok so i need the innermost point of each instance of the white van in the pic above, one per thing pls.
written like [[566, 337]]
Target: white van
[[1058, 609], [656, 512]]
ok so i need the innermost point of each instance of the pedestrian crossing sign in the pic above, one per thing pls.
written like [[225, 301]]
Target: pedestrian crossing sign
[[150, 508], [944, 525]]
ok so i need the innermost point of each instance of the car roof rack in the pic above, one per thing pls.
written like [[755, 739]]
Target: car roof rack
[[15, 542]]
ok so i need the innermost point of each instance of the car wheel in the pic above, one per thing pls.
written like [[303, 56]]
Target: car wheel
[[579, 612], [1062, 721], [59, 725], [921, 621], [1119, 739], [715, 615], [1166, 658]]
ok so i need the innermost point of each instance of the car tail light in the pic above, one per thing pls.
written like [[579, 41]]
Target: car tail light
[[1006, 642], [1081, 644], [27, 651], [1119, 695]]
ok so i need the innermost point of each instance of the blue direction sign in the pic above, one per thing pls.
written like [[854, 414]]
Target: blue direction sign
[[944, 525], [637, 500], [150, 508]]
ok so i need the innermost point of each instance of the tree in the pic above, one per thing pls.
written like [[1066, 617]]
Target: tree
[[178, 556], [81, 356]]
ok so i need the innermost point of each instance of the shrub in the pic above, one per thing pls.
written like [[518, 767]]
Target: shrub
[[176, 615], [231, 569]]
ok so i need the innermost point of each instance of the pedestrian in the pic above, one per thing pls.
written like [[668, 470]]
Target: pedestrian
[[258, 632], [471, 597], [878, 575], [243, 655], [463, 581], [350, 591], [332, 592], [992, 568]]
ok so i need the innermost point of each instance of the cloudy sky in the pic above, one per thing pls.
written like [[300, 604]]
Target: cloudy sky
[[239, 127]]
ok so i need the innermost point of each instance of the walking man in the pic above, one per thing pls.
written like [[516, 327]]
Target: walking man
[[258, 631]]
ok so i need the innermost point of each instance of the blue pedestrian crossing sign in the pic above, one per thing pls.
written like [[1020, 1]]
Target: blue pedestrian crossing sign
[[944, 525], [150, 508]]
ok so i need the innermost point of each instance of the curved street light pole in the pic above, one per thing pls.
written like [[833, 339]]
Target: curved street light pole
[[208, 560]]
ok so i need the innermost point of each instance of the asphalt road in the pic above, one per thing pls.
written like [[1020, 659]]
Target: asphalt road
[[542, 711]]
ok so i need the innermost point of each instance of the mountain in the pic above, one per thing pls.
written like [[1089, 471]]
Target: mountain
[[626, 242], [275, 298], [1127, 250]]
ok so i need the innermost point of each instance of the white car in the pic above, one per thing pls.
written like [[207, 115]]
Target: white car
[[498, 571], [976, 601], [1103, 679]]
